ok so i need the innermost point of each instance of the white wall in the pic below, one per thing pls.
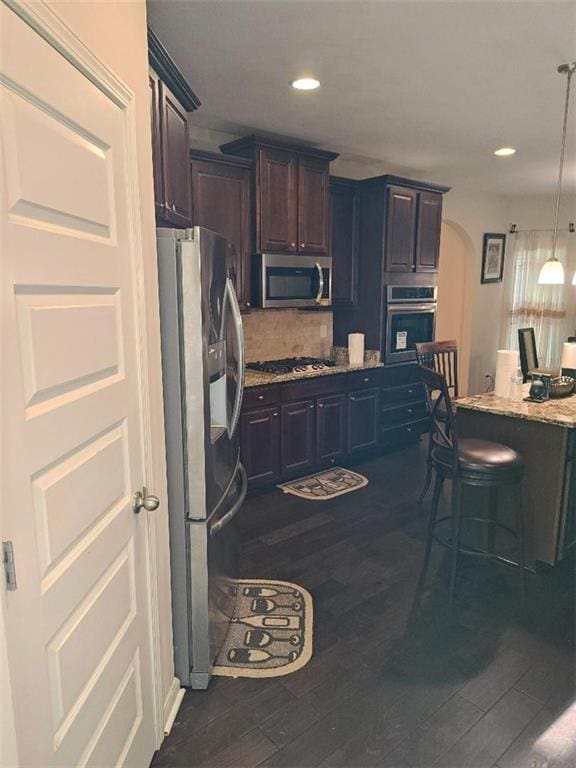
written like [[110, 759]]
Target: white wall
[[115, 30]]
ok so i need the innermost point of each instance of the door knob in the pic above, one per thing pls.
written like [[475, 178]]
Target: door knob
[[144, 499]]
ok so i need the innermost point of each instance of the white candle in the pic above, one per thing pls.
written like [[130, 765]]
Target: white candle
[[356, 349]]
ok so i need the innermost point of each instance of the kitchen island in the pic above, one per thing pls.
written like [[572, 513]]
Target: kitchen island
[[545, 436]]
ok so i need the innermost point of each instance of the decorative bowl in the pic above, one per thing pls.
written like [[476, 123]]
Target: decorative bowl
[[561, 386]]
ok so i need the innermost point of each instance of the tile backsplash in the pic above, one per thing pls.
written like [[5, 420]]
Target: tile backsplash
[[271, 334]]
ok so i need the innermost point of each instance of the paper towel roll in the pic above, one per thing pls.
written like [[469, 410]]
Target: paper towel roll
[[569, 355], [507, 361], [355, 349]]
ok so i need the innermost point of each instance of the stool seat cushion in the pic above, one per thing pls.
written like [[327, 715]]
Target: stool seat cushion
[[482, 457]]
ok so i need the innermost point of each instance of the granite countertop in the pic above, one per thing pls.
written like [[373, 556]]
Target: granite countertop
[[257, 379], [560, 411]]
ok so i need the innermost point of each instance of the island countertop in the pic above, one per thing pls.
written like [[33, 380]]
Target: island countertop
[[559, 411]]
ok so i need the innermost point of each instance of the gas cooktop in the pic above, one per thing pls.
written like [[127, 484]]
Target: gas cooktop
[[291, 365]]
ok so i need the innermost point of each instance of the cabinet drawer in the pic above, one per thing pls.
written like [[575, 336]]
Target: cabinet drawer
[[255, 397], [390, 436], [408, 393], [363, 379], [404, 414], [321, 385]]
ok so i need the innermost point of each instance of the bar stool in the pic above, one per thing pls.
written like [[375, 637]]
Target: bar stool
[[442, 357], [468, 461]]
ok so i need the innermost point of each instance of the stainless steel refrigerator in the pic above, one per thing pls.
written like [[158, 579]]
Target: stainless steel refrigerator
[[202, 371]]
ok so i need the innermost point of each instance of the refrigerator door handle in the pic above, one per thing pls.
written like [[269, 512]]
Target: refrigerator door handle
[[225, 519], [237, 318]]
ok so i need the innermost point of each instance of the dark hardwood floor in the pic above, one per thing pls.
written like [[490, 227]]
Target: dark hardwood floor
[[392, 683]]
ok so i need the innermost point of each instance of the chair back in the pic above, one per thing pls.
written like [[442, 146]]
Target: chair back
[[528, 353], [443, 429], [442, 357]]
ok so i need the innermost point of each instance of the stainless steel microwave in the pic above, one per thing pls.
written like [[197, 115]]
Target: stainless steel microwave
[[285, 280]]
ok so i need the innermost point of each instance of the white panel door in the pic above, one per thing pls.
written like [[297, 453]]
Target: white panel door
[[78, 624]]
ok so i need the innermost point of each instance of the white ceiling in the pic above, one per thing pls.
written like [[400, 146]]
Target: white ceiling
[[431, 87]]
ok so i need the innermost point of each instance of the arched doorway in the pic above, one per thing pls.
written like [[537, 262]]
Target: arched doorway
[[455, 294]]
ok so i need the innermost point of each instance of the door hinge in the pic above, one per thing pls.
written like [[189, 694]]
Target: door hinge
[[9, 566]]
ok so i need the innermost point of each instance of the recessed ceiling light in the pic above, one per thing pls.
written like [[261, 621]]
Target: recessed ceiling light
[[505, 152], [306, 84]]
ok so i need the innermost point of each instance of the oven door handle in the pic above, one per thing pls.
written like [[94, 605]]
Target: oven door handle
[[395, 309], [320, 283]]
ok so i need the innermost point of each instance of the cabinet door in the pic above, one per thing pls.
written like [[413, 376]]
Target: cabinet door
[[221, 202], [400, 229], [344, 202], [260, 445], [313, 206], [330, 428], [363, 420], [159, 196], [298, 438], [276, 201], [175, 159], [428, 233]]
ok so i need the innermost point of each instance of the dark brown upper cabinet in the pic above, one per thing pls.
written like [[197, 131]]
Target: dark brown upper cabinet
[[344, 216], [313, 206], [221, 201], [171, 101], [428, 231], [400, 229], [291, 194], [412, 229], [276, 211]]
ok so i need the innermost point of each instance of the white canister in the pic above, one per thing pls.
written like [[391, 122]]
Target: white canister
[[355, 349]]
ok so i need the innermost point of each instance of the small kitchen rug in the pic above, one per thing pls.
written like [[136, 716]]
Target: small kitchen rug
[[270, 633], [325, 485]]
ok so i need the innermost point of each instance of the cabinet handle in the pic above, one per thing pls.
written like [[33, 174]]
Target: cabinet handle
[[410, 410], [320, 405], [408, 429], [302, 245], [293, 245], [248, 304], [167, 205], [260, 397], [410, 391], [352, 398], [311, 407], [366, 379], [275, 414], [173, 207]]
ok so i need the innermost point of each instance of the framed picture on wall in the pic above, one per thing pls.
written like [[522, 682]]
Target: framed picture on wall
[[493, 258]]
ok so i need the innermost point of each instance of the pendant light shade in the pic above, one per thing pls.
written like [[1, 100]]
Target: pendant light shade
[[552, 273]]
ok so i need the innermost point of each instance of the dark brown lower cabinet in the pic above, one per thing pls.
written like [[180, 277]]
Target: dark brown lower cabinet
[[363, 420], [297, 452], [260, 445], [330, 428]]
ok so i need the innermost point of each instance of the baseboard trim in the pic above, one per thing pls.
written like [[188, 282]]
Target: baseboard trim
[[172, 704]]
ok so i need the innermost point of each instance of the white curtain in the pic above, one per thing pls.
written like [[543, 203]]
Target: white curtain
[[549, 309]]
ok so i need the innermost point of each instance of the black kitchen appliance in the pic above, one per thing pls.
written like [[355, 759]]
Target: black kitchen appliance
[[410, 320], [291, 365]]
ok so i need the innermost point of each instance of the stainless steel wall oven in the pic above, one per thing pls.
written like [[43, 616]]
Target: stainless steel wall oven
[[410, 319]]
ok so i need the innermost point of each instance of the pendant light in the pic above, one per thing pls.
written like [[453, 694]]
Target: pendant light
[[552, 273]]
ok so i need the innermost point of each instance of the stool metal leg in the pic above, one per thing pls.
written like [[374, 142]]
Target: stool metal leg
[[456, 532], [430, 532], [428, 479], [520, 534]]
